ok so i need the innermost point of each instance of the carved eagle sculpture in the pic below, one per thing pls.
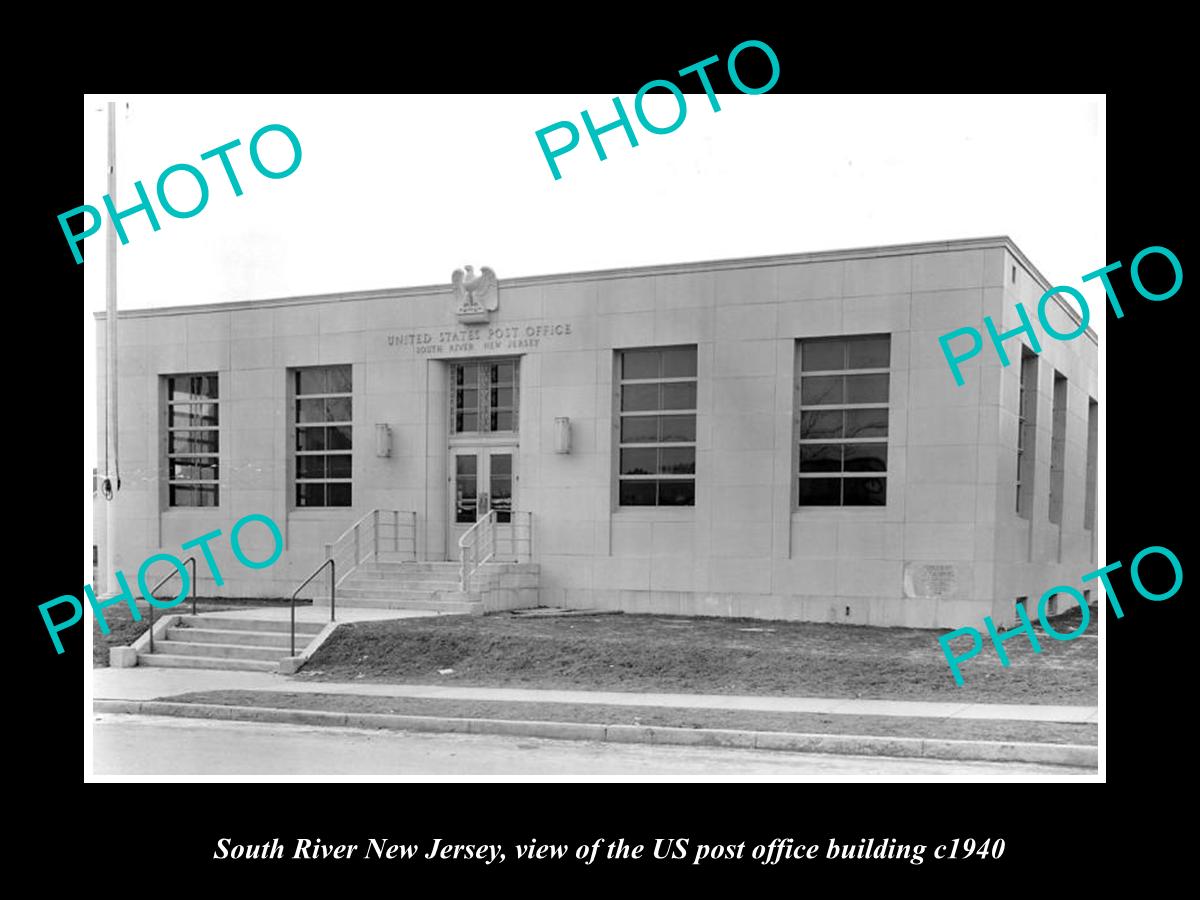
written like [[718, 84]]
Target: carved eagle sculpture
[[470, 290]]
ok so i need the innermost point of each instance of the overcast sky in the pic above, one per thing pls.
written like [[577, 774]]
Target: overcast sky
[[396, 191]]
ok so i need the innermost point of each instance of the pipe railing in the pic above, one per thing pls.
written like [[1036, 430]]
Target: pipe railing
[[169, 576], [485, 540], [332, 594], [377, 532]]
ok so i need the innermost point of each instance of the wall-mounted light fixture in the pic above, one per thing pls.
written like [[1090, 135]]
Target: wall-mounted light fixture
[[562, 434], [383, 440]]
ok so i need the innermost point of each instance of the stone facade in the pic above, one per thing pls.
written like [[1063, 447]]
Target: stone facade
[[947, 548]]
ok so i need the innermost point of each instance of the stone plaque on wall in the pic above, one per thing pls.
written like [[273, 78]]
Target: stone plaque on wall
[[933, 581]]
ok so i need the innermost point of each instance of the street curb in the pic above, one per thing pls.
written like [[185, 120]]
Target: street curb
[[846, 744]]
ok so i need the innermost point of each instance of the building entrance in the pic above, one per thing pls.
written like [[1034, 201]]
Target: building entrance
[[483, 444]]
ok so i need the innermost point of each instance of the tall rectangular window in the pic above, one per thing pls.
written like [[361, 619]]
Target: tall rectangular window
[[193, 440], [1093, 461], [324, 435], [1058, 447], [1026, 431], [657, 445], [843, 385], [483, 396]]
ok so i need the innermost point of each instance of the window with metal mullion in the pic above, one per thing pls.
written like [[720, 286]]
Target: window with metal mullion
[[194, 459], [675, 379], [816, 373]]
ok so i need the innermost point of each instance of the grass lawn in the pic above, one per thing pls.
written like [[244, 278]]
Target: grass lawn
[[123, 630], [800, 723], [704, 655]]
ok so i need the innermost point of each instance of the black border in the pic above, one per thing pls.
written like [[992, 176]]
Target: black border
[[1146, 352]]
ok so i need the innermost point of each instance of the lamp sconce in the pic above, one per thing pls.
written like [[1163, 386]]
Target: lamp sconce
[[562, 434], [383, 440]]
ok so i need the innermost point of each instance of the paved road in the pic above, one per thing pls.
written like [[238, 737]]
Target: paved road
[[141, 746]]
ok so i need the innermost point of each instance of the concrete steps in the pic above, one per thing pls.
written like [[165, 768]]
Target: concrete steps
[[390, 591], [219, 642], [239, 624], [169, 661], [222, 651], [433, 605], [221, 636], [434, 586]]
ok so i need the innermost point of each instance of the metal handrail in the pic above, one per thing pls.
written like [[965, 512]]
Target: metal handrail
[[485, 528], [332, 594], [362, 539], [483, 533], [170, 575]]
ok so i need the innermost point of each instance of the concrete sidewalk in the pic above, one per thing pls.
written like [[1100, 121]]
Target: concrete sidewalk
[[141, 683]]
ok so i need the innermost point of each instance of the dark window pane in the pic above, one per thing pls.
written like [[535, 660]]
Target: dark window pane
[[639, 364], [820, 457], [502, 421], [866, 423], [190, 469], [639, 462], [501, 464], [193, 414], [194, 495], [820, 491], [865, 492], [639, 396], [677, 460], [310, 410], [502, 397], [338, 465], [678, 428], [677, 493], [866, 388], [821, 424], [467, 398], [337, 410], [465, 488], [501, 499], [821, 389], [192, 387], [310, 438], [466, 421], [337, 495], [869, 353], [636, 429], [679, 396], [822, 356], [338, 437], [679, 363], [502, 373], [637, 493], [866, 457], [310, 466], [311, 381], [310, 494], [193, 441], [339, 380]]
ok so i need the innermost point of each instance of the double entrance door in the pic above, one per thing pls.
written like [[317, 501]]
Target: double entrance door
[[481, 480]]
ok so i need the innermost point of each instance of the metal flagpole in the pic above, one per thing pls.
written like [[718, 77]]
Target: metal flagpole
[[112, 467]]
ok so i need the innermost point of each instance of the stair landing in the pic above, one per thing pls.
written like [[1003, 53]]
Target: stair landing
[[435, 586]]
